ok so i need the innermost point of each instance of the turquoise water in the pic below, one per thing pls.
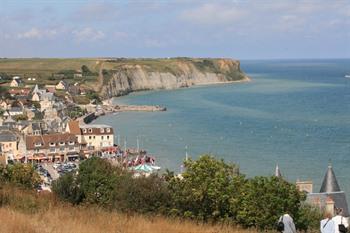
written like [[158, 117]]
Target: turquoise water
[[295, 113]]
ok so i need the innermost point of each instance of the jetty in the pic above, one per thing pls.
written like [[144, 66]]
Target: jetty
[[138, 108]]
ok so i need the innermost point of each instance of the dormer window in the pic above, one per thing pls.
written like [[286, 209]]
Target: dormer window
[[108, 130], [102, 130], [37, 144], [52, 144], [71, 143], [85, 131], [61, 143], [90, 130]]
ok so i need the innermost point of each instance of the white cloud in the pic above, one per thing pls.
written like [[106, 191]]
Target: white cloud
[[88, 34], [211, 14], [36, 33]]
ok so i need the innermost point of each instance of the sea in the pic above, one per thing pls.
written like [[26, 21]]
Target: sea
[[294, 113]]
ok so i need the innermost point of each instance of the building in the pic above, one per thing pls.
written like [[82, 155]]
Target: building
[[92, 137], [16, 82], [8, 144], [330, 196], [47, 101], [62, 85], [52, 147], [19, 91]]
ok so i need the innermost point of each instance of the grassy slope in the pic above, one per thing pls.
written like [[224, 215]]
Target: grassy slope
[[25, 211], [43, 68]]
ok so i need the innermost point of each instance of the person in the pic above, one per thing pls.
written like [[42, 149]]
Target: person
[[340, 219], [288, 222], [327, 225]]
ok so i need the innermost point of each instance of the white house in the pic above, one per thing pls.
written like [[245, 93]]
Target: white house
[[15, 82], [62, 85]]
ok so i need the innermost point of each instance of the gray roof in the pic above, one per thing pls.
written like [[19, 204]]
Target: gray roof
[[278, 171], [330, 183], [339, 199], [7, 136]]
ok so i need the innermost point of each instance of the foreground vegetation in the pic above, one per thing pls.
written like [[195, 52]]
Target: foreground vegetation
[[30, 212], [210, 196]]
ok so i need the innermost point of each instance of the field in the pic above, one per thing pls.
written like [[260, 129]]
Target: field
[[25, 211]]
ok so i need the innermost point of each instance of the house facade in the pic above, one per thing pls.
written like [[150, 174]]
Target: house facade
[[52, 147], [8, 144], [62, 85], [92, 137]]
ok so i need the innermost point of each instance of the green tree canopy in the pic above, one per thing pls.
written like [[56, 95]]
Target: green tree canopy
[[209, 189], [265, 199]]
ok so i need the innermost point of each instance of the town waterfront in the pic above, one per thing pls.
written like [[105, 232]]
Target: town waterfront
[[294, 113]]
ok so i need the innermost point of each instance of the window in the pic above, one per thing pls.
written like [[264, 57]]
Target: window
[[90, 130], [52, 150], [94, 137], [89, 137], [85, 131], [102, 130], [71, 148], [62, 149], [108, 130], [107, 137], [36, 151], [10, 144], [102, 137]]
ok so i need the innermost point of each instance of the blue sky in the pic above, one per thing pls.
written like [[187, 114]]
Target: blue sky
[[260, 29]]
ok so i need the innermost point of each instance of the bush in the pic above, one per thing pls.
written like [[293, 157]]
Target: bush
[[209, 190], [67, 188], [265, 199], [22, 175], [142, 195]]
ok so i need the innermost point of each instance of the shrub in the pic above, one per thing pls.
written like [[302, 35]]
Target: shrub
[[22, 175], [67, 188], [209, 189], [265, 199]]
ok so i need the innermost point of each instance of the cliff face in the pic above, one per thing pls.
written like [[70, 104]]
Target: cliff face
[[171, 74]]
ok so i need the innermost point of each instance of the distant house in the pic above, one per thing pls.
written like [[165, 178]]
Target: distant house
[[74, 90], [59, 146], [78, 74], [50, 88], [62, 85], [13, 111], [36, 96], [92, 137], [330, 196], [19, 91], [16, 82], [9, 143]]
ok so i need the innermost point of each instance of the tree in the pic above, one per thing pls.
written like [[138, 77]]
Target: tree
[[142, 194], [67, 188], [23, 175], [209, 189], [265, 199], [97, 180]]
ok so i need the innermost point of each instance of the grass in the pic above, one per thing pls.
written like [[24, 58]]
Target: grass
[[26, 211]]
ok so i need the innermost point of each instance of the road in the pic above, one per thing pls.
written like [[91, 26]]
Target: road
[[54, 174]]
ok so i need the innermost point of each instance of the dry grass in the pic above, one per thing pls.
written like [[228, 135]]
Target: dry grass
[[78, 220], [29, 212]]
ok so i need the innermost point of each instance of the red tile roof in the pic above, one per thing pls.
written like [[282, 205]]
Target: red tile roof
[[45, 140]]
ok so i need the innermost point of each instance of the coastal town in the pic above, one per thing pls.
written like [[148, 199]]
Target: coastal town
[[43, 125]]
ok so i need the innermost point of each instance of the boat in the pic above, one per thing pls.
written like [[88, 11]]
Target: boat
[[347, 76]]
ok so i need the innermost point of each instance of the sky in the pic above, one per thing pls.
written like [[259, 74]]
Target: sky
[[251, 29]]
